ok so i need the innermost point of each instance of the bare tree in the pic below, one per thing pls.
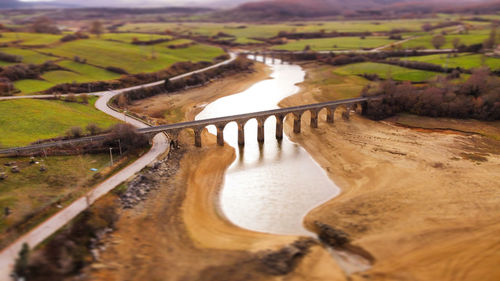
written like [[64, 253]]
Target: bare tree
[[96, 28], [456, 43], [438, 41]]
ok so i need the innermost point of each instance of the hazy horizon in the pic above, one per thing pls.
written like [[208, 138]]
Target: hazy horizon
[[141, 3]]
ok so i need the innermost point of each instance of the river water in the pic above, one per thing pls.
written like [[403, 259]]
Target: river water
[[272, 186]]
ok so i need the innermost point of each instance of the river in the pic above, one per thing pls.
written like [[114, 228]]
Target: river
[[270, 187]]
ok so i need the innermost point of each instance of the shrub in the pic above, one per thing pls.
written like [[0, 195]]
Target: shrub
[[93, 129], [478, 98], [84, 98], [10, 58], [128, 136], [45, 25], [116, 70], [70, 98], [75, 132]]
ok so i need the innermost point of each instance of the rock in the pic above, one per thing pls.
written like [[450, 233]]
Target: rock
[[331, 236], [3, 176], [284, 260], [32, 160], [15, 169], [43, 168], [8, 164]]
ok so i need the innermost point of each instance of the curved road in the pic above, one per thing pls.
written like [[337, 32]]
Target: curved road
[[51, 225]]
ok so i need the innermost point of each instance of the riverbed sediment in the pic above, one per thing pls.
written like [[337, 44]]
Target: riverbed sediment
[[422, 203]]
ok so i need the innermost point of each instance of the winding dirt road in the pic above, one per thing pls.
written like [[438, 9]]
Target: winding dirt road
[[51, 225]]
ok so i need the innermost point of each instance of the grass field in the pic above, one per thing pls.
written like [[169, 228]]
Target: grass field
[[31, 190], [245, 32], [29, 39], [32, 196], [386, 71], [29, 86], [29, 56], [326, 84], [25, 121], [129, 37], [134, 59], [424, 42], [79, 73], [463, 60], [339, 43], [91, 73]]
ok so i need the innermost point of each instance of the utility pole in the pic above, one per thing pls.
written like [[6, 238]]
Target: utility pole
[[111, 155]]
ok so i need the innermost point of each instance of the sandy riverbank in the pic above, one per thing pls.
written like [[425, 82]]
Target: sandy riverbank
[[179, 232], [424, 204]]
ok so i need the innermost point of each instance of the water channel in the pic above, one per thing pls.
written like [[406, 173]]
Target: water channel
[[270, 187]]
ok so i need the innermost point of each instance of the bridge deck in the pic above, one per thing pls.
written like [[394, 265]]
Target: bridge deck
[[195, 124], [212, 121]]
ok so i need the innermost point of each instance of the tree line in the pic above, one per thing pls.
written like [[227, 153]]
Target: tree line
[[477, 98]]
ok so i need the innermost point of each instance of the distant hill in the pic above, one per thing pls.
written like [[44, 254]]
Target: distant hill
[[15, 4], [10, 4], [277, 10]]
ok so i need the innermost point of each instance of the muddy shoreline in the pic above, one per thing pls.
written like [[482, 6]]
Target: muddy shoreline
[[409, 197], [180, 224]]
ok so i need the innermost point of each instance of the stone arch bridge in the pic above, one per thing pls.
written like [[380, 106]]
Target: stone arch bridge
[[295, 112]]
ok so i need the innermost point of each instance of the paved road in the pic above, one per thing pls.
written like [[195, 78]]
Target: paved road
[[51, 225]]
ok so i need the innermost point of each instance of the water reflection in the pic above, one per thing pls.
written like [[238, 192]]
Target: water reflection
[[270, 186]]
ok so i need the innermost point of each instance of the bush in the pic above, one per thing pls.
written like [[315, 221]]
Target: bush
[[93, 129], [10, 58], [128, 136], [345, 59], [45, 25], [75, 132], [70, 98], [477, 98], [116, 70], [84, 98]]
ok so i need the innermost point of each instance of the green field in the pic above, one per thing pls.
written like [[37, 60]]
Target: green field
[[386, 71], [32, 191], [29, 56], [88, 72], [338, 43], [29, 86], [462, 60], [424, 42], [29, 39], [129, 37], [78, 72], [246, 32], [330, 85], [134, 59], [25, 121]]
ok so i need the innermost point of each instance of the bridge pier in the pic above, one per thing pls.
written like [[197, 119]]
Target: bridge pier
[[260, 129], [220, 135], [197, 137], [364, 107], [346, 115], [272, 58], [241, 134], [330, 112], [314, 119], [279, 126], [264, 57], [174, 139], [296, 122]]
